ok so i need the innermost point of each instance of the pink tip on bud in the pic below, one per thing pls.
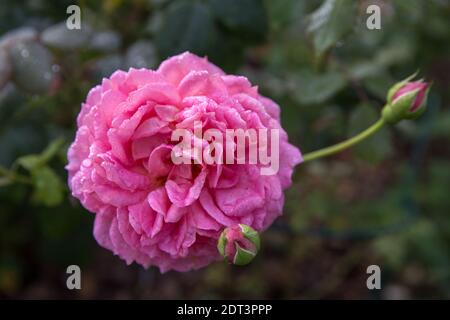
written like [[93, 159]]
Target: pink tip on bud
[[419, 86], [406, 100]]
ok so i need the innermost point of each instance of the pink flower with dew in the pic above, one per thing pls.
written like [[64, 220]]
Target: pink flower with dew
[[149, 210]]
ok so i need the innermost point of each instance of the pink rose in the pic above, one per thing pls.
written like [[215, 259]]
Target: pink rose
[[148, 209]]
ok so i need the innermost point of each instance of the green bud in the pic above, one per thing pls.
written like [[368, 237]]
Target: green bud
[[239, 244], [406, 100]]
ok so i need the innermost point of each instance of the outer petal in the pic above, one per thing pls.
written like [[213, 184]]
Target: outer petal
[[176, 68]]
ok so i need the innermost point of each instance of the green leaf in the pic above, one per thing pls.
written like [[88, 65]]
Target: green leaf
[[4, 181], [32, 67], [379, 84], [105, 41], [188, 26], [30, 162], [330, 23], [247, 17], [33, 161], [313, 88], [48, 187], [61, 37], [375, 148], [281, 13]]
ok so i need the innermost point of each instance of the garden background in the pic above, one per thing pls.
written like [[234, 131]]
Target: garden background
[[385, 202]]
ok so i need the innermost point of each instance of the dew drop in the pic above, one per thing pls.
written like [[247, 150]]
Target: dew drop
[[87, 163], [56, 68], [25, 53]]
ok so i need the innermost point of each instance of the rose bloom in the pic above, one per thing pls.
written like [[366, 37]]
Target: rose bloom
[[149, 210]]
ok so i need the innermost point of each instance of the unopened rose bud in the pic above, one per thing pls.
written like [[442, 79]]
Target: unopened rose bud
[[406, 100], [239, 244]]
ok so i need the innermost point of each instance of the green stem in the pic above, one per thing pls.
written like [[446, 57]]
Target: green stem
[[345, 144], [13, 176]]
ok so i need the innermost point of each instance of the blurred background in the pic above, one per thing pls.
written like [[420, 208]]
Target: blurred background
[[385, 202]]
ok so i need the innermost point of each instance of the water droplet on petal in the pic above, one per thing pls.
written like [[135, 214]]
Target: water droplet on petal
[[87, 163]]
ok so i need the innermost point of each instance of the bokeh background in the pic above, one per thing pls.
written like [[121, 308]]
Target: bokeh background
[[385, 202]]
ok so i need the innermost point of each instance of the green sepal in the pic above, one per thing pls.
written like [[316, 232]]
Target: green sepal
[[221, 244], [251, 234], [400, 108], [242, 256], [398, 85]]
